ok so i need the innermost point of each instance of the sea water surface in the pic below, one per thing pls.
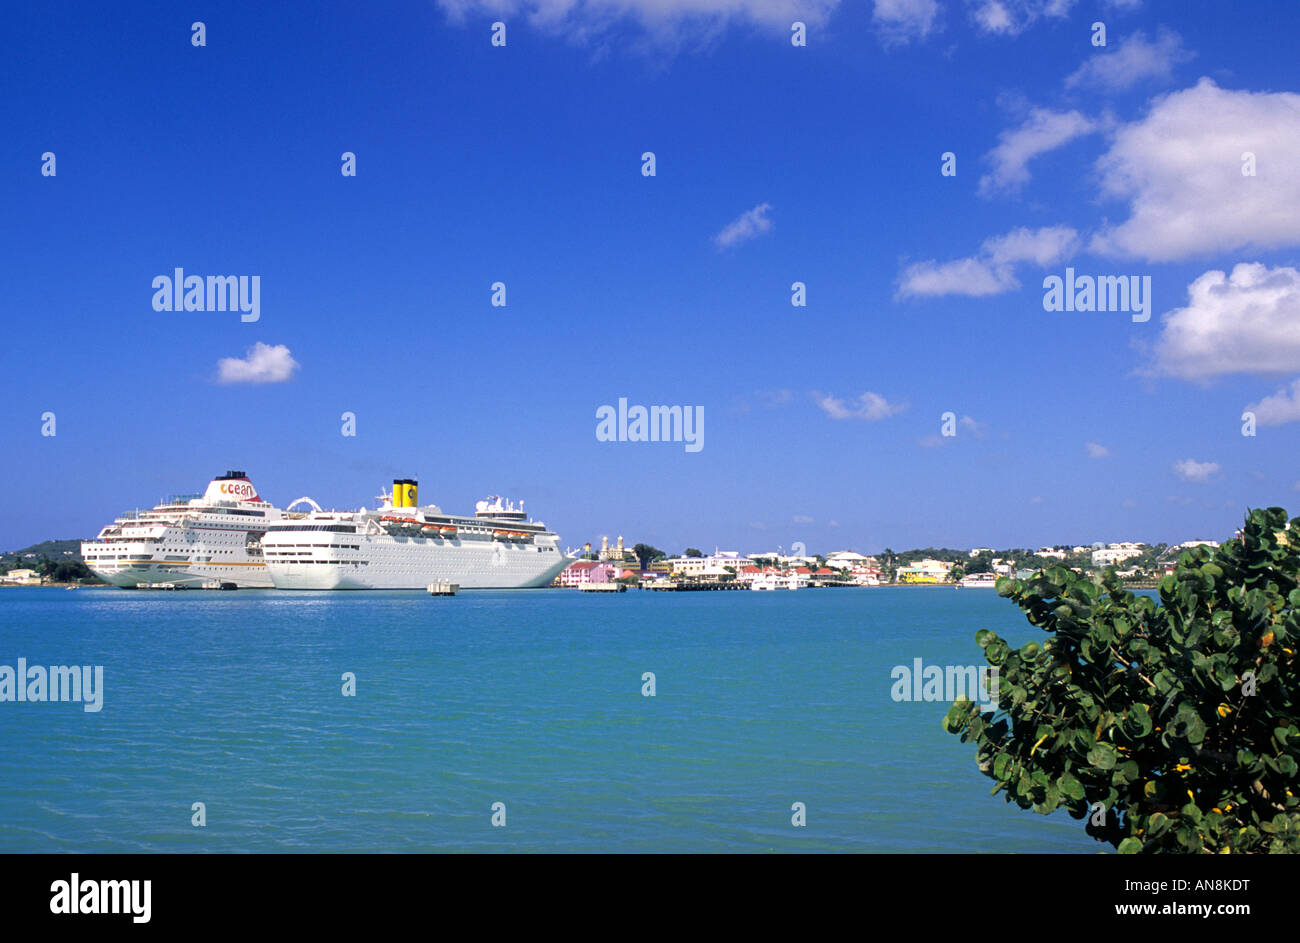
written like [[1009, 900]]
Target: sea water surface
[[528, 698]]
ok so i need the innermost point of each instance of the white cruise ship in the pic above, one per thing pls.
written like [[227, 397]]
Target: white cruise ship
[[188, 540], [403, 545]]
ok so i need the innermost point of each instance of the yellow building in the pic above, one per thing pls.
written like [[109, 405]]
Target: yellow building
[[22, 577]]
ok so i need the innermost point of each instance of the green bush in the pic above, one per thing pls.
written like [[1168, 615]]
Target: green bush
[[1169, 727]]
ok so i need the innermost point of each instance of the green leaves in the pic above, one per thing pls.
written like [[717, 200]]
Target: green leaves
[[1177, 710], [1188, 725], [1137, 721], [1102, 756]]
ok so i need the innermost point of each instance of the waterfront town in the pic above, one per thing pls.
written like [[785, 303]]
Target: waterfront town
[[618, 566], [614, 566]]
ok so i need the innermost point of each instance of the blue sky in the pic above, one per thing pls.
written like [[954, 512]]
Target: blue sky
[[522, 164]]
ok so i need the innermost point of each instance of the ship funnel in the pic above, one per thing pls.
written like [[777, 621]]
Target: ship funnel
[[405, 493]]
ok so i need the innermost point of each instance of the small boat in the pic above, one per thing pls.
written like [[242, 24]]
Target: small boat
[[447, 530], [430, 530]]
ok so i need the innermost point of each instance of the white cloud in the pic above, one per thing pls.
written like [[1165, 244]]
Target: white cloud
[[1011, 17], [900, 21], [1200, 472], [972, 277], [583, 20], [1036, 499], [261, 364], [1246, 322], [869, 406], [802, 519], [1280, 408], [1042, 131], [1136, 58], [744, 227], [1040, 246], [992, 270], [1096, 450], [1180, 169]]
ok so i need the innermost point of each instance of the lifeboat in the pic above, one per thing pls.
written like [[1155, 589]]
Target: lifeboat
[[500, 535], [447, 530], [429, 530]]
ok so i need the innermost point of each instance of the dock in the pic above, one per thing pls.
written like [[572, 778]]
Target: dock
[[602, 588], [691, 586], [442, 588]]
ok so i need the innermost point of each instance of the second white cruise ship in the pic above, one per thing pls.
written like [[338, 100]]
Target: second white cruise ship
[[403, 545]]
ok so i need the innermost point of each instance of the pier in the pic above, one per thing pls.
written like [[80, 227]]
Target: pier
[[692, 586]]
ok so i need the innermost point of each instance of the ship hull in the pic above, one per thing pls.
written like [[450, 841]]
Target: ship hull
[[390, 562], [245, 575]]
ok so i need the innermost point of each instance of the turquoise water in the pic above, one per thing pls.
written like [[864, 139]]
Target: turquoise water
[[531, 698]]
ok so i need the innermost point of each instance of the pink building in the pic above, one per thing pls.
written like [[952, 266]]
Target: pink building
[[588, 571]]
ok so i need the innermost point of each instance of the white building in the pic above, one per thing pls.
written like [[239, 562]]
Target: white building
[[617, 554], [847, 559], [1114, 554], [782, 559], [696, 567]]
